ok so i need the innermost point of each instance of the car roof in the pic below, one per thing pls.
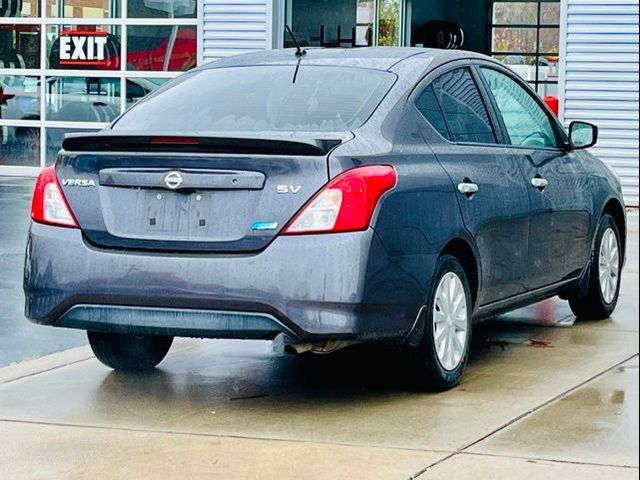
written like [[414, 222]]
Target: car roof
[[376, 58]]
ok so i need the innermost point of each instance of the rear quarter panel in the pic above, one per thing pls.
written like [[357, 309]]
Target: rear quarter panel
[[414, 220]]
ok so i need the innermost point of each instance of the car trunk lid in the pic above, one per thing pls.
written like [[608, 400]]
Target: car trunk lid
[[190, 193]]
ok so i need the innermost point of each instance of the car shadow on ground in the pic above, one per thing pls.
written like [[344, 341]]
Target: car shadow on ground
[[366, 370]]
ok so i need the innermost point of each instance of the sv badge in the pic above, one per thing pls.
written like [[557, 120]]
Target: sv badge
[[288, 188]]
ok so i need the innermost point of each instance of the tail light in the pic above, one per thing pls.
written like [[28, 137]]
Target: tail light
[[346, 203], [49, 205]]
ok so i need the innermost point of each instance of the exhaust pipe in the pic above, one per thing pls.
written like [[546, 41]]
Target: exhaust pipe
[[329, 346]]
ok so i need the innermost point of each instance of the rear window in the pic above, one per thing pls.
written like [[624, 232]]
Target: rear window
[[313, 99]]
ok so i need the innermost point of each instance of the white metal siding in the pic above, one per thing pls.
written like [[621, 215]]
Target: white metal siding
[[231, 27], [599, 79]]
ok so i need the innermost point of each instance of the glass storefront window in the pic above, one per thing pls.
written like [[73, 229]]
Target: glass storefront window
[[550, 13], [85, 47], [549, 40], [507, 39], [19, 46], [515, 13], [548, 69], [20, 146], [83, 8], [526, 36], [546, 89], [349, 23], [54, 141], [161, 9], [93, 79], [161, 48], [365, 16], [389, 23], [19, 8], [19, 98], [141, 87], [524, 65], [82, 99]]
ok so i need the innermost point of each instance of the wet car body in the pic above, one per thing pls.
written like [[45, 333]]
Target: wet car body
[[518, 244]]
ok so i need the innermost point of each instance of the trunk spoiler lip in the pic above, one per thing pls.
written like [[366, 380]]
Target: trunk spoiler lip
[[278, 143]]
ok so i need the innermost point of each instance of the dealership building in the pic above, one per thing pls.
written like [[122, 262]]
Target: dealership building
[[74, 65]]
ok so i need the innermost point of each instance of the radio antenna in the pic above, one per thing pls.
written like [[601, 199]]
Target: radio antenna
[[300, 52]]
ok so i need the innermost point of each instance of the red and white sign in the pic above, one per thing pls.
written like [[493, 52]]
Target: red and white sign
[[78, 47]]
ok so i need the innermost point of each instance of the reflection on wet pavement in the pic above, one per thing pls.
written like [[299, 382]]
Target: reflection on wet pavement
[[19, 339], [597, 423]]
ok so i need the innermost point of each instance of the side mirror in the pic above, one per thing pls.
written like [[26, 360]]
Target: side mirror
[[582, 135]]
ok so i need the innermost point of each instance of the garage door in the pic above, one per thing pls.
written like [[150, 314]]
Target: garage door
[[599, 50]]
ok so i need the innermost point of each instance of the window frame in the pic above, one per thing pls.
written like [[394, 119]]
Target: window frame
[[562, 142], [44, 21], [427, 80]]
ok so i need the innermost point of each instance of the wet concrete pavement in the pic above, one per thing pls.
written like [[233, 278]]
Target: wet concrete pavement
[[542, 398]]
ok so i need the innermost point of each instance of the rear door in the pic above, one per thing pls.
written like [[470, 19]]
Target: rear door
[[557, 183], [488, 183]]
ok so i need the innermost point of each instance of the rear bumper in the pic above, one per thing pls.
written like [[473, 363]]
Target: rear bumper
[[173, 321], [311, 287]]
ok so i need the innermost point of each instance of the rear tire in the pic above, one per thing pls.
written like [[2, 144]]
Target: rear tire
[[127, 352], [600, 297], [440, 359]]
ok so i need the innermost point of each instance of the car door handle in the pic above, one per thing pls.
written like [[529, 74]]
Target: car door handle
[[468, 188], [540, 183]]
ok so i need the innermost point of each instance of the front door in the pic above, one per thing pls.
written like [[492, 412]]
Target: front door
[[491, 192], [557, 184]]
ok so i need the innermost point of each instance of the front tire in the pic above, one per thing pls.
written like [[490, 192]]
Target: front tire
[[442, 355], [127, 352], [603, 289]]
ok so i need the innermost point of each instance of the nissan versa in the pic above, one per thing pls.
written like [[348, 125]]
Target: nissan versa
[[332, 196]]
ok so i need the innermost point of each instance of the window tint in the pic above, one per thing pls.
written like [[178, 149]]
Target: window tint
[[272, 98], [427, 104], [463, 107], [525, 120]]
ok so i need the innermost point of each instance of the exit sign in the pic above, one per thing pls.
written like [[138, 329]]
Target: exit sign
[[79, 47]]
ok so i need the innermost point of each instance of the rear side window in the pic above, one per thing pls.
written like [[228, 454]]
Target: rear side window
[[465, 113], [527, 123], [262, 98], [428, 105]]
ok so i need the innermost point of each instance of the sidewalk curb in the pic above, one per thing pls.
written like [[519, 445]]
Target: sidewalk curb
[[53, 361], [28, 368]]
